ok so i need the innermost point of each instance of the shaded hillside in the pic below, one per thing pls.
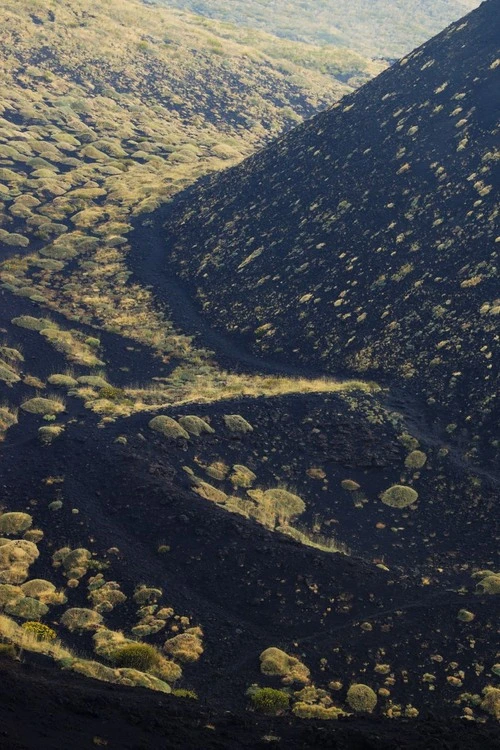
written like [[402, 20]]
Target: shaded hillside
[[364, 240], [385, 28]]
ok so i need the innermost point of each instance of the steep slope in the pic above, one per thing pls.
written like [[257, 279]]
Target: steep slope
[[364, 240], [385, 28]]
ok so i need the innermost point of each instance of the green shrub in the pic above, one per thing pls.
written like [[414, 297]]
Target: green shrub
[[277, 663], [39, 630], [490, 584], [465, 616], [415, 460], [236, 423], [242, 476], [185, 647], [47, 435], [140, 656], [80, 619], [43, 406], [350, 485], [270, 701], [64, 381], [399, 496], [33, 324], [15, 523], [168, 427], [361, 698], [195, 425], [27, 608]]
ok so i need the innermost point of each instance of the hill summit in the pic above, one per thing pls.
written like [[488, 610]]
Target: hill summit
[[364, 240]]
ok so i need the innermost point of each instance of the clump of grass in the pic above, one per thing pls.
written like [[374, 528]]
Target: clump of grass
[[43, 406], [236, 423], [79, 619], [399, 496], [141, 656], [63, 381], [277, 663], [168, 427], [186, 647], [195, 425], [270, 701], [361, 698], [48, 434], [415, 460], [33, 324], [15, 523]]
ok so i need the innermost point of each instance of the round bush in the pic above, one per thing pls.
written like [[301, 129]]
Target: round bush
[[140, 656], [39, 630], [399, 496], [168, 427], [415, 460], [15, 523], [361, 698], [270, 701]]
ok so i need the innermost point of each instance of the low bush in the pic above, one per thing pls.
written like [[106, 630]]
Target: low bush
[[399, 496], [40, 631], [361, 698], [168, 427], [15, 523], [43, 406], [140, 656], [270, 701], [236, 423]]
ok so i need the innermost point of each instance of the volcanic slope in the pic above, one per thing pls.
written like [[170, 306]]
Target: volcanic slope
[[364, 240]]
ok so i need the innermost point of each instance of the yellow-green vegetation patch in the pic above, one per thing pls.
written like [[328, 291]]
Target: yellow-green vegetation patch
[[141, 656], [33, 324], [350, 485], [15, 523], [465, 616], [78, 619], [186, 647], [277, 663], [27, 608], [168, 427], [399, 496], [195, 425], [269, 700], [236, 423], [242, 476], [8, 374], [63, 381], [488, 583], [415, 460], [9, 353], [361, 698], [49, 433], [72, 347], [8, 418], [217, 470], [16, 557], [75, 562], [43, 406]]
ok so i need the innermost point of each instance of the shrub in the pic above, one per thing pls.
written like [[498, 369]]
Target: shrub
[[236, 423], [270, 701], [186, 647], [195, 425], [490, 584], [217, 470], [147, 595], [140, 656], [64, 381], [465, 616], [48, 434], [491, 701], [415, 460], [15, 523], [350, 485], [315, 711], [15, 559], [399, 496], [242, 476], [43, 406], [277, 663], [361, 698], [9, 593], [168, 427], [40, 631], [33, 535], [80, 619], [209, 492], [33, 324], [27, 608]]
